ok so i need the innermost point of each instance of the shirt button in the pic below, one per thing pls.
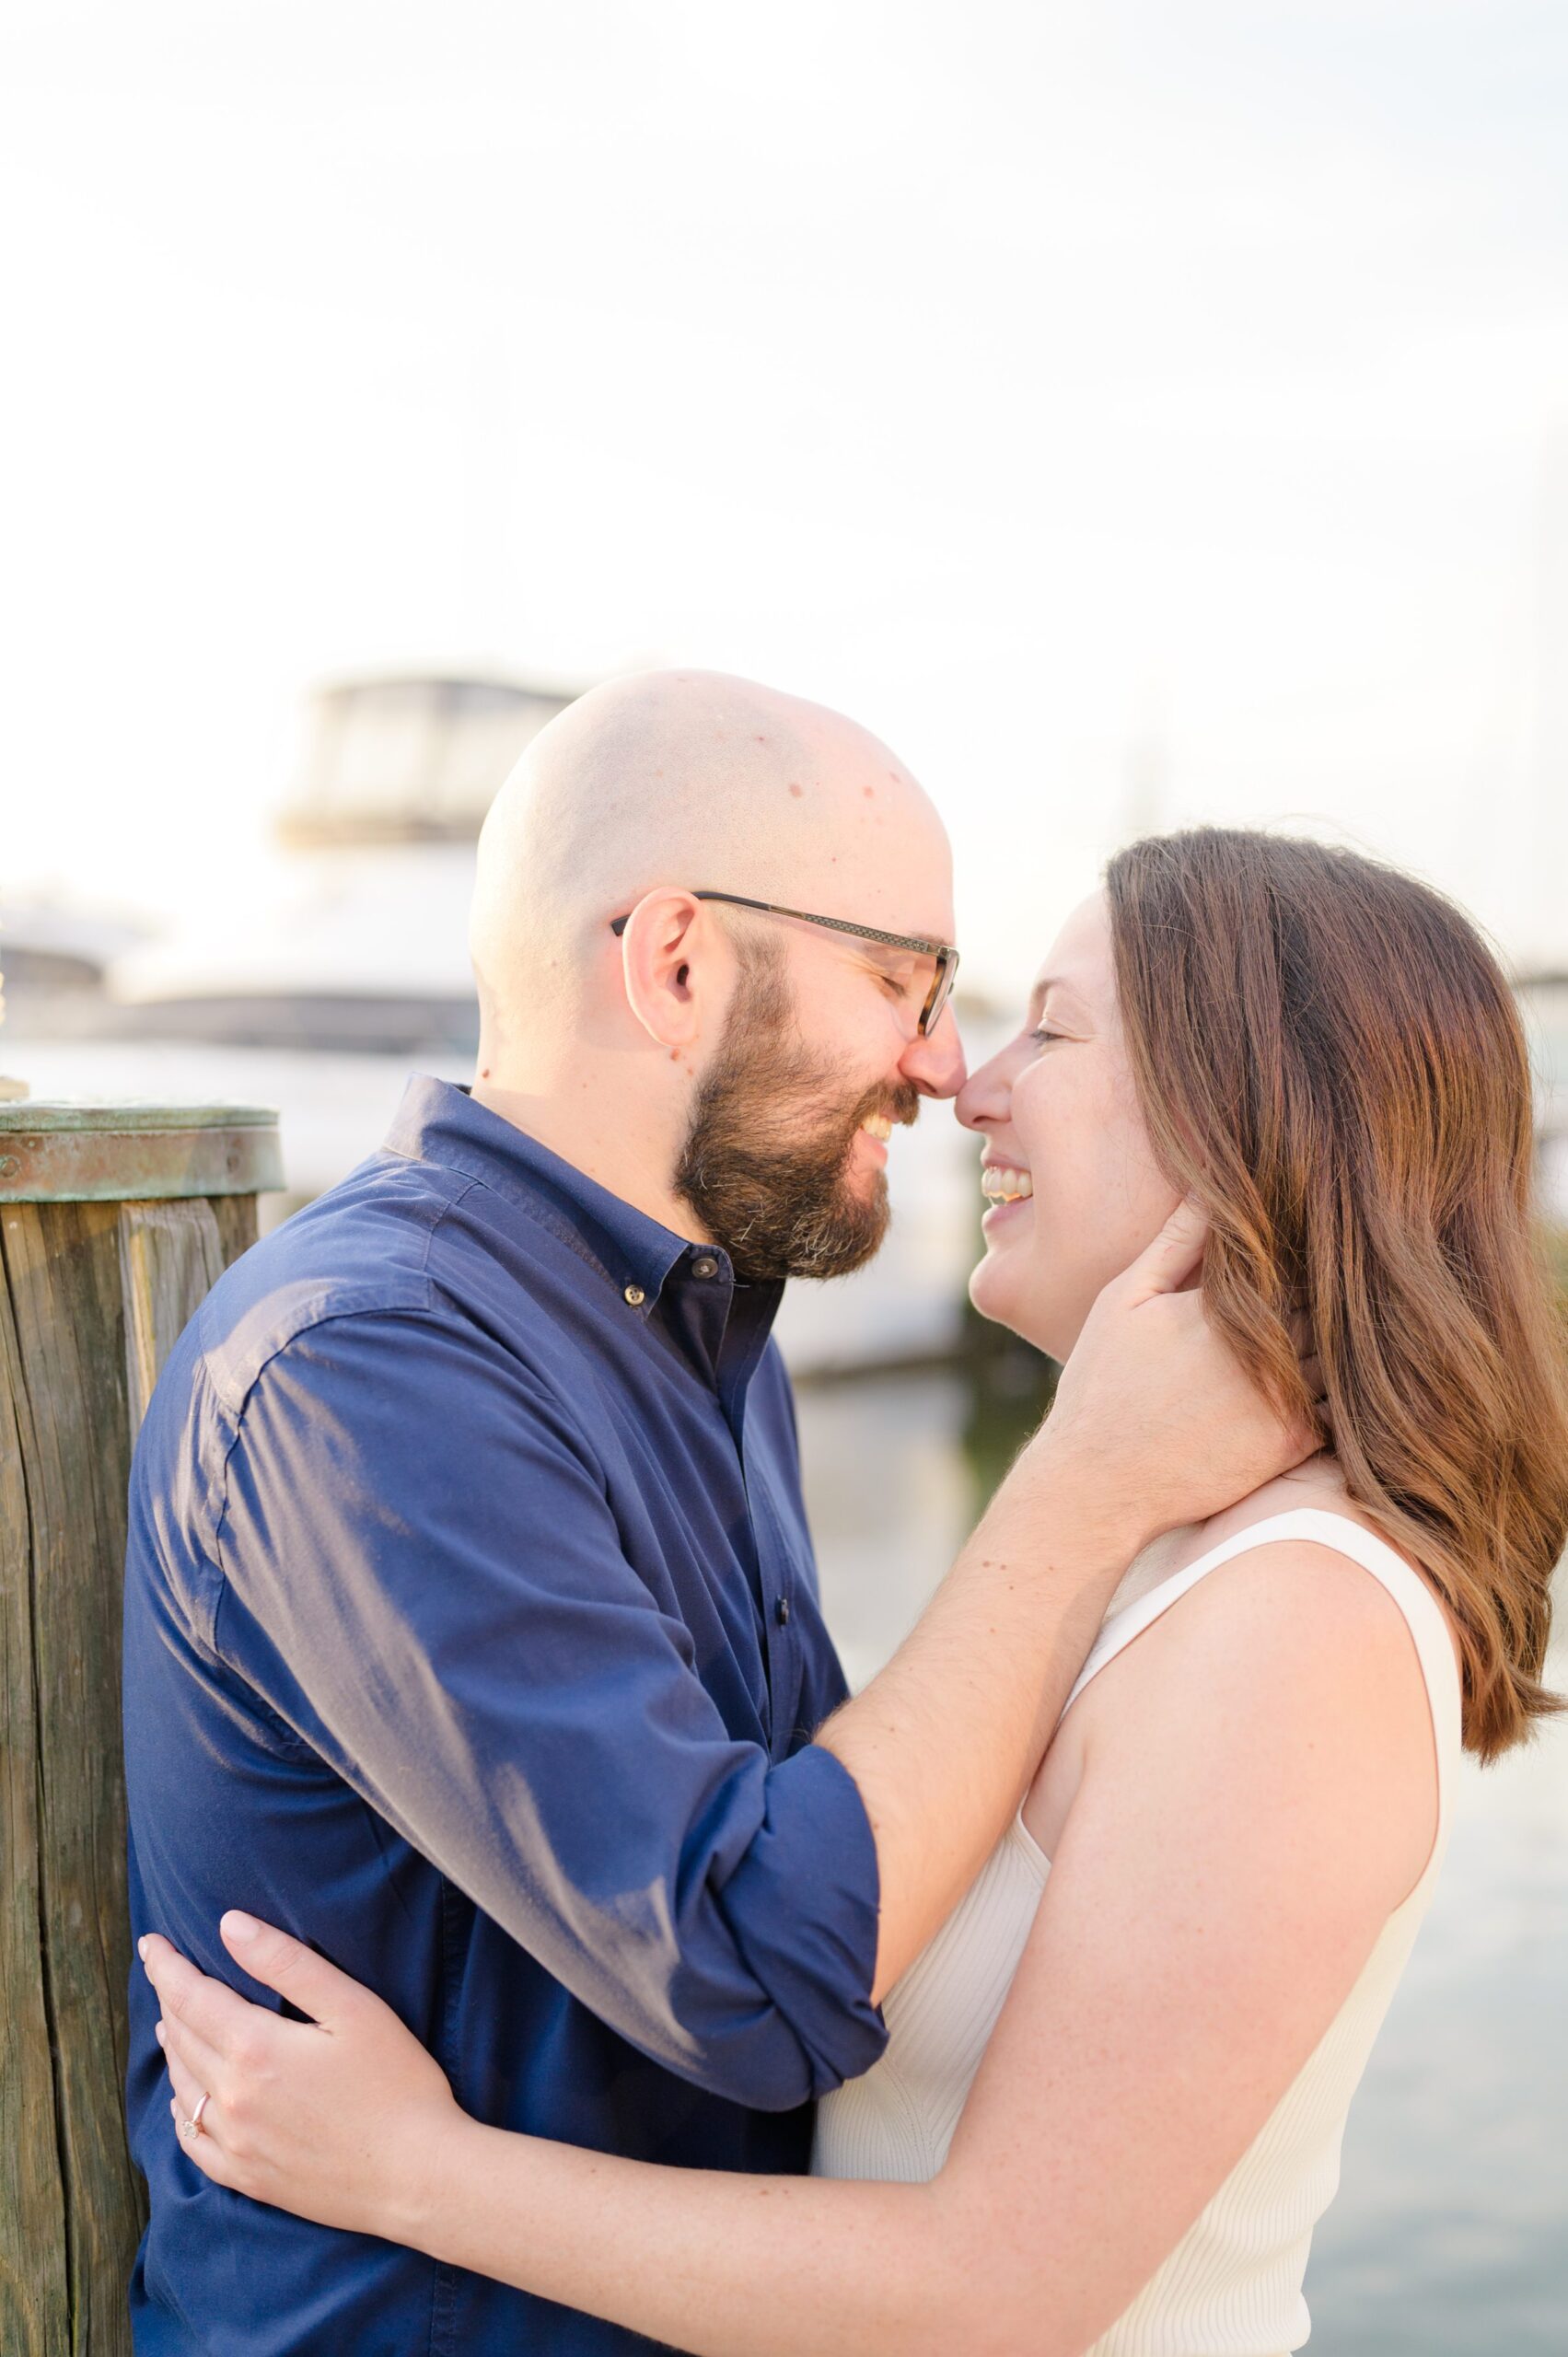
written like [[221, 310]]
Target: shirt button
[[635, 1296], [705, 1268], [781, 1612]]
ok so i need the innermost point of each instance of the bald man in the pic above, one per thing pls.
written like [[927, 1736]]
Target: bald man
[[471, 1621]]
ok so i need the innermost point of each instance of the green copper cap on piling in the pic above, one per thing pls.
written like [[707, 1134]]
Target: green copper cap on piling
[[113, 1150]]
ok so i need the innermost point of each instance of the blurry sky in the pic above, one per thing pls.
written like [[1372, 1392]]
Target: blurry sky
[[1137, 412]]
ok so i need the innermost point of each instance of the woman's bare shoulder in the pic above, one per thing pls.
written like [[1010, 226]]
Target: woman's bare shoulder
[[1292, 1599], [1318, 1564], [1290, 1651], [1290, 1646]]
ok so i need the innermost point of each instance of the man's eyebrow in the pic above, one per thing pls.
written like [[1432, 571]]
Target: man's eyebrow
[[882, 953]]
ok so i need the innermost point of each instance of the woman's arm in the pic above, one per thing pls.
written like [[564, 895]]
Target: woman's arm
[[347, 2120], [1215, 1890]]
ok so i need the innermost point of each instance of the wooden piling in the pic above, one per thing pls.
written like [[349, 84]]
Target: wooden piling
[[114, 1221]]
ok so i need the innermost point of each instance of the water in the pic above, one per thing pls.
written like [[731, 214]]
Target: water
[[1449, 2237]]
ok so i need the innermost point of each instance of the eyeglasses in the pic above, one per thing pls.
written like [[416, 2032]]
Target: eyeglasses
[[947, 956]]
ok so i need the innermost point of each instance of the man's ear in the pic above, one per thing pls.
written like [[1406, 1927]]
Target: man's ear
[[670, 966]]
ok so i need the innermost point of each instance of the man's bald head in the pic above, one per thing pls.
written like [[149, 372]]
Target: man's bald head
[[700, 780]]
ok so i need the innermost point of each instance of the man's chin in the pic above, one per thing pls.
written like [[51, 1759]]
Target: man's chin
[[796, 1239], [844, 1240]]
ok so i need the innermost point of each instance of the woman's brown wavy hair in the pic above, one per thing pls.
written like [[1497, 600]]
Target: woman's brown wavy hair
[[1328, 1057]]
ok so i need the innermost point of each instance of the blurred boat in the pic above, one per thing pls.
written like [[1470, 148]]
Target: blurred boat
[[327, 969], [353, 937], [55, 957], [318, 982]]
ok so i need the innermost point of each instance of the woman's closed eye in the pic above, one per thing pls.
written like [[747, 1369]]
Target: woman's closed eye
[[1041, 1036]]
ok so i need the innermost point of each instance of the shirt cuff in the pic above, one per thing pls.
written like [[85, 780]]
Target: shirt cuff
[[803, 1906]]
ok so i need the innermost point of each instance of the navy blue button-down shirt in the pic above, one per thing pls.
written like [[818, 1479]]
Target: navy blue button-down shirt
[[471, 1634]]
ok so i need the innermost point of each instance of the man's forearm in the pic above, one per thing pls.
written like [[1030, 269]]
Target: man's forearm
[[942, 1744]]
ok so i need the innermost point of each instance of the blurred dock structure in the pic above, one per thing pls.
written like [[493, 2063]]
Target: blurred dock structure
[[1543, 1001]]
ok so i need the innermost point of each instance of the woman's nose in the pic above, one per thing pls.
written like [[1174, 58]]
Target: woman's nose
[[984, 1096]]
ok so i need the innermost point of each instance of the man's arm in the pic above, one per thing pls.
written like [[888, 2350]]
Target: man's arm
[[442, 1608]]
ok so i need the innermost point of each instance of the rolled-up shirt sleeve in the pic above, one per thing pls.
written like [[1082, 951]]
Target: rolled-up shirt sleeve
[[441, 1604]]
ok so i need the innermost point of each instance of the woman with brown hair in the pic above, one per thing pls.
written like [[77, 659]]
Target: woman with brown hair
[[1110, 2106]]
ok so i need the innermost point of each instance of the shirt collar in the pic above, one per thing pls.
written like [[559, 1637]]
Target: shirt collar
[[439, 1121]]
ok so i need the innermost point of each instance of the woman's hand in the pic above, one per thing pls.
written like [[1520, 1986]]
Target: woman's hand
[[1157, 1405], [342, 2118]]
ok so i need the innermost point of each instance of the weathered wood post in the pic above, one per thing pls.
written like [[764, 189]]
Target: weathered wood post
[[114, 1221]]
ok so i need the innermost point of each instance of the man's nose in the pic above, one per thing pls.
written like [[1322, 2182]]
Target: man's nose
[[936, 1063]]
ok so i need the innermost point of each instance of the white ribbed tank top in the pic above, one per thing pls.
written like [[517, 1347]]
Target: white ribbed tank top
[[1232, 2285]]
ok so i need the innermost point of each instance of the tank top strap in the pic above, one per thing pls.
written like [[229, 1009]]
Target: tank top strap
[[1423, 1615]]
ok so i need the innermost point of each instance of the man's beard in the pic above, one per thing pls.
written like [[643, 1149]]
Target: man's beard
[[765, 1165]]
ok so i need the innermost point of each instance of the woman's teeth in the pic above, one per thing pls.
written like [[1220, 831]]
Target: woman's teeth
[[879, 1125], [1000, 1185]]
